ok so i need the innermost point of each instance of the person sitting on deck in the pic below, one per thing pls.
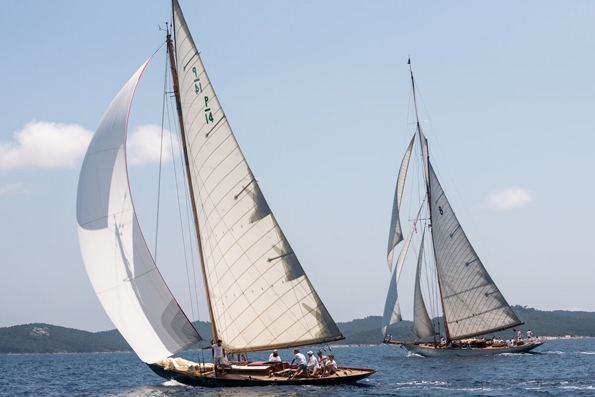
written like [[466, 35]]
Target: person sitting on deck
[[331, 365], [321, 360], [313, 366], [218, 354], [300, 360], [274, 357]]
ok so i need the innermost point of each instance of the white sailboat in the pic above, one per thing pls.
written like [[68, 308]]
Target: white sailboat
[[471, 304], [258, 295]]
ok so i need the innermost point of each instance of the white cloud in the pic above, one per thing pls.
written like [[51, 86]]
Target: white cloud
[[144, 145], [16, 189], [508, 199], [46, 145]]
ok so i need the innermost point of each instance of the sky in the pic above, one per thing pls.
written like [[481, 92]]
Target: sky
[[318, 95]]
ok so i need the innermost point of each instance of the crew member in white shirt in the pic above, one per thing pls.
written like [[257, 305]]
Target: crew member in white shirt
[[300, 360], [274, 357], [218, 354], [312, 363]]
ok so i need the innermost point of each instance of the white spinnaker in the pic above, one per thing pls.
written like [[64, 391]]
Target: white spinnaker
[[260, 296], [422, 325], [472, 303], [117, 259], [392, 309], [395, 235]]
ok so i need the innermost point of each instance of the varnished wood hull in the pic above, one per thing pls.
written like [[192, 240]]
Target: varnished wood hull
[[344, 375]]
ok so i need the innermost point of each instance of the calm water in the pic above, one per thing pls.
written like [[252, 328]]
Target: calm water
[[560, 368]]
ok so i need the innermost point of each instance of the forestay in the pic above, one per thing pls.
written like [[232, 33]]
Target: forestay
[[118, 262], [472, 303], [260, 296]]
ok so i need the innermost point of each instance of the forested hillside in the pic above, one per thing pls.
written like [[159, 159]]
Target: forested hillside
[[46, 338]]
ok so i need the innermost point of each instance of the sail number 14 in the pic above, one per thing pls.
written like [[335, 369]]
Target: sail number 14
[[198, 90]]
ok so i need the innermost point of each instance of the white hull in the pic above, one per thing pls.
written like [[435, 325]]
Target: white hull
[[430, 351]]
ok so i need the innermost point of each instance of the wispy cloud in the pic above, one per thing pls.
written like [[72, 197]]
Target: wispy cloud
[[507, 199], [144, 145], [43, 144], [16, 189]]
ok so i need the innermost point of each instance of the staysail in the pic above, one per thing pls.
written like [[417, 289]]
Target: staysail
[[472, 303], [395, 235], [422, 325], [260, 296], [117, 259], [392, 309]]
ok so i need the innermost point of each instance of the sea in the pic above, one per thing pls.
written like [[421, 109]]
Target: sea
[[559, 368]]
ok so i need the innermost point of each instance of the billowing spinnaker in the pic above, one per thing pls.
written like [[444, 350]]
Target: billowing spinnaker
[[260, 296], [117, 259]]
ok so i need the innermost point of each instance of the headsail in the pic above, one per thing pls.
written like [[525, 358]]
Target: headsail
[[472, 303], [119, 263], [395, 235], [260, 296], [392, 309], [422, 325]]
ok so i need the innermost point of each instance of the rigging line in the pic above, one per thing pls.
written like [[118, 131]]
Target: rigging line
[[189, 224], [163, 103], [183, 239], [453, 182], [191, 281]]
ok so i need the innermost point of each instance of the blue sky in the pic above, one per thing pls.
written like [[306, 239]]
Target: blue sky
[[318, 95]]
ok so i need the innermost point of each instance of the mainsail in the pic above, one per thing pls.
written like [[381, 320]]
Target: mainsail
[[117, 259], [472, 303], [260, 297]]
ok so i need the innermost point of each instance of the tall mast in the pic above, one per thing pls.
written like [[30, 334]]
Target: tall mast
[[426, 161], [176, 86]]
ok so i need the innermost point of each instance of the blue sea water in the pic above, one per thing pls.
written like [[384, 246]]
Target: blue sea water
[[559, 368]]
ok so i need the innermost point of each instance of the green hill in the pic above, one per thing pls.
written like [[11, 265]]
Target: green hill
[[556, 323], [45, 338]]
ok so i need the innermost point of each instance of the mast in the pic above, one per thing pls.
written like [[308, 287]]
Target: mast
[[425, 152], [176, 87]]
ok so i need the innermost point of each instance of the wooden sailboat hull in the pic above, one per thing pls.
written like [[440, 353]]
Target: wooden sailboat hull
[[231, 378], [431, 351]]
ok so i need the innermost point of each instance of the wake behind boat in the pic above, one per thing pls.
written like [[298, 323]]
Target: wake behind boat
[[450, 276], [258, 295]]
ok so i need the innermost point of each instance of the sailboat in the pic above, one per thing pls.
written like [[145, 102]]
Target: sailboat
[[259, 296], [471, 304]]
